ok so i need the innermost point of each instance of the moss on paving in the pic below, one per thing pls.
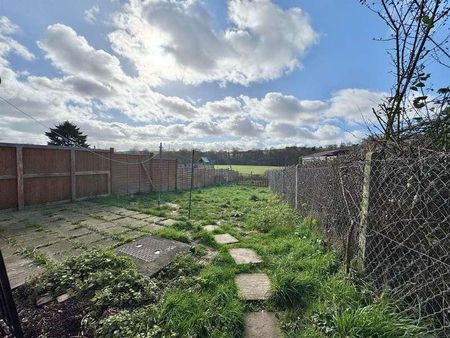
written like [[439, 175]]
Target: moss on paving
[[188, 299]]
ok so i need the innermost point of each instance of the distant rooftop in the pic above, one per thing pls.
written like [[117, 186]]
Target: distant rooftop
[[328, 153]]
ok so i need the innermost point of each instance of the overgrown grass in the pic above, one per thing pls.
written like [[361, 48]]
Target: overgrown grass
[[189, 299]]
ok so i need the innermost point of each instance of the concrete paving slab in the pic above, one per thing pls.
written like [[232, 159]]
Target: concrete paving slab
[[73, 233], [225, 239], [152, 253], [88, 239], [115, 210], [253, 286], [115, 230], [150, 228], [262, 325], [57, 250], [73, 217], [132, 234], [14, 228], [106, 243], [20, 270], [130, 222], [211, 228], [153, 219], [245, 256], [168, 222], [127, 212], [37, 239], [105, 215], [92, 222], [142, 216]]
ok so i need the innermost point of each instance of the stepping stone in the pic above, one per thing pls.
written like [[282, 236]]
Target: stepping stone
[[261, 325], [210, 228], [245, 256], [225, 239], [253, 286]]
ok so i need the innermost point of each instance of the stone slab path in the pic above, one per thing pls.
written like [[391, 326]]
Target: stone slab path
[[253, 286], [245, 256], [225, 239], [261, 325]]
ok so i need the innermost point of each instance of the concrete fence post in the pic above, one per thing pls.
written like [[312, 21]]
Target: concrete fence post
[[296, 187], [369, 173]]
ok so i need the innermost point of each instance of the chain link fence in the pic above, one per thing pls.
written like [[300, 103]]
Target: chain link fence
[[390, 218]]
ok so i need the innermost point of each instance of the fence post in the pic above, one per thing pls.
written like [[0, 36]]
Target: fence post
[[73, 179], [176, 175], [366, 204], [110, 176], [19, 167], [192, 183], [296, 187]]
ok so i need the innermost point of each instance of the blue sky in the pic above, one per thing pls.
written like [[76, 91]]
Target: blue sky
[[209, 74]]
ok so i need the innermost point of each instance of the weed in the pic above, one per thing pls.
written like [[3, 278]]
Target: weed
[[178, 235]]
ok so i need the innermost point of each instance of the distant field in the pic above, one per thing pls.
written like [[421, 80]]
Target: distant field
[[247, 169]]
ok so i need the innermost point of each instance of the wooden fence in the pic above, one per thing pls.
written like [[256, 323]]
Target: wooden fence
[[33, 174]]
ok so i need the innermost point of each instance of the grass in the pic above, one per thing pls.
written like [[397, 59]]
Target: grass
[[189, 299], [247, 169]]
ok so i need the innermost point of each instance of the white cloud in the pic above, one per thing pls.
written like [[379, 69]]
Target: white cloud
[[72, 54], [93, 91], [175, 40], [354, 105], [8, 44], [90, 15]]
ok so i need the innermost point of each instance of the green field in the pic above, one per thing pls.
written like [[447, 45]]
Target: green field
[[247, 169]]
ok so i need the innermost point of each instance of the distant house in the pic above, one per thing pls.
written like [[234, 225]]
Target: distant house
[[325, 155], [204, 161]]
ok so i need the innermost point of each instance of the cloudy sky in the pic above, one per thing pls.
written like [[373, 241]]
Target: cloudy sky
[[209, 74]]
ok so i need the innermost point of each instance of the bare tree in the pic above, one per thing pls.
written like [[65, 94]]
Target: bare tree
[[419, 34]]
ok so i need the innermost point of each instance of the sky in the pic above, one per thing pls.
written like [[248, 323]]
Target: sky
[[213, 74]]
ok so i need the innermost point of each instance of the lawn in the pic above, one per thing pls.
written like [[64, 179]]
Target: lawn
[[248, 169], [196, 295]]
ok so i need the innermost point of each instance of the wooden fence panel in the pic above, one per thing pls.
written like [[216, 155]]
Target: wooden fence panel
[[46, 175], [8, 178], [119, 174]]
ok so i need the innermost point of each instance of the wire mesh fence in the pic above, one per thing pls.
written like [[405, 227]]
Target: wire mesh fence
[[391, 219]]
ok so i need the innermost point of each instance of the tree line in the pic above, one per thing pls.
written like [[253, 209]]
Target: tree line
[[274, 157]]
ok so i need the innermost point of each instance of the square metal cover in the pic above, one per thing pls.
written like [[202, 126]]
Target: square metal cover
[[152, 253]]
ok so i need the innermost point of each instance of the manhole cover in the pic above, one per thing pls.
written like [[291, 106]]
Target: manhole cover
[[151, 253]]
